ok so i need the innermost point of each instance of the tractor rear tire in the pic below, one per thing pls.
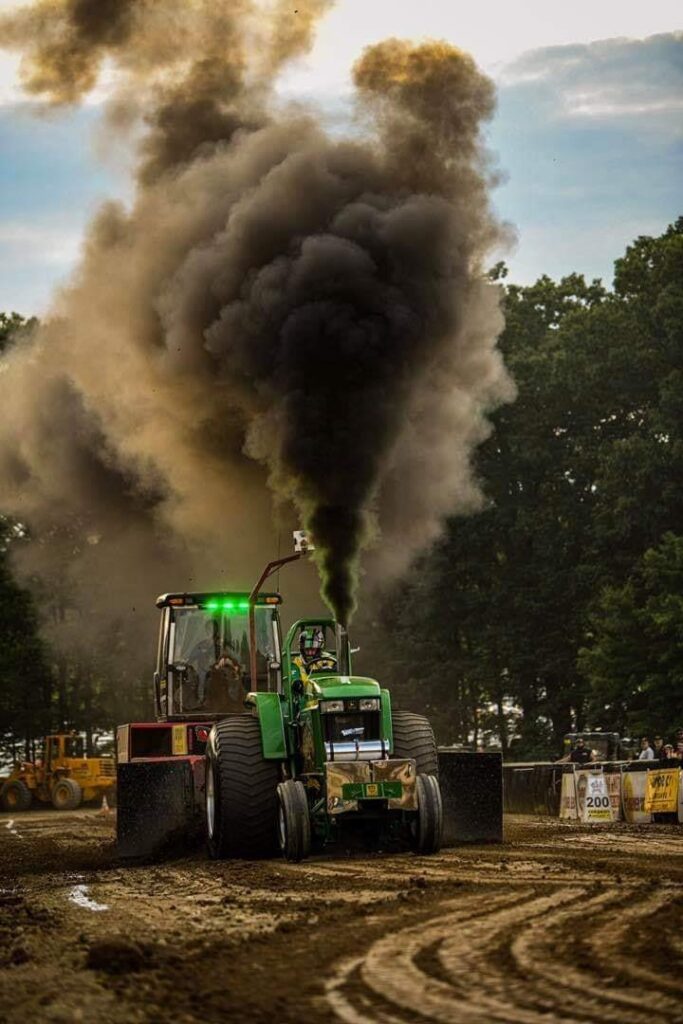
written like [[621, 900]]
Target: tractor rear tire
[[241, 791], [15, 796], [414, 738], [294, 823], [426, 828], [66, 795]]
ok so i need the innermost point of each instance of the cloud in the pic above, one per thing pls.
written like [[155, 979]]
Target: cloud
[[46, 246], [589, 137], [629, 79], [34, 254], [10, 91], [50, 185], [591, 140]]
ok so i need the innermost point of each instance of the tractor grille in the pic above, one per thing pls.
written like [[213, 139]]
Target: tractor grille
[[107, 767], [347, 727]]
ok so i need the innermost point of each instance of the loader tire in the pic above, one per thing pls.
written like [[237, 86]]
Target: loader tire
[[66, 795], [15, 796], [241, 791], [414, 738]]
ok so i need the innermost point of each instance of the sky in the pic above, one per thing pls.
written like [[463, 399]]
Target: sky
[[587, 138]]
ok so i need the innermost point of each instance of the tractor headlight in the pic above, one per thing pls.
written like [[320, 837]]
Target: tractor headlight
[[369, 703], [328, 706]]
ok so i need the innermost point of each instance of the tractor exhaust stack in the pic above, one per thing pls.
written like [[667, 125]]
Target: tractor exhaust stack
[[302, 545], [343, 660]]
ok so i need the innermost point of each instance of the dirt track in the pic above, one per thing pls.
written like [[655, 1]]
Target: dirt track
[[563, 923]]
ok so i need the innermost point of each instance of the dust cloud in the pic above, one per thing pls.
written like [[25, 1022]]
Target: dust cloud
[[283, 326]]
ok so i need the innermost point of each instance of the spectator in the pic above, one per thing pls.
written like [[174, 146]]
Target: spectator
[[678, 752], [658, 747], [668, 751], [580, 754], [646, 751]]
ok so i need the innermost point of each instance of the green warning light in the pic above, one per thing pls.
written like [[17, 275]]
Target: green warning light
[[231, 605]]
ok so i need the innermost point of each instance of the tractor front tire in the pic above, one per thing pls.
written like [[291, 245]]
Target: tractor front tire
[[241, 791], [15, 796], [414, 738], [66, 795], [294, 823], [427, 827]]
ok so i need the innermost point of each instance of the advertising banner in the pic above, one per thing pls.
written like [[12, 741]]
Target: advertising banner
[[661, 792], [633, 797], [592, 797], [568, 796], [613, 783]]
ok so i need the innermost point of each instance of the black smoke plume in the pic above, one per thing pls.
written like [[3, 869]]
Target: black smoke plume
[[278, 307]]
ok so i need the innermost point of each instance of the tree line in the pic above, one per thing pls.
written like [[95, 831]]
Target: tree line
[[558, 606]]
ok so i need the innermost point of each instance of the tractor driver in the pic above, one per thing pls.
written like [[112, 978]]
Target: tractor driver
[[312, 657], [225, 690], [209, 656], [228, 661], [202, 658]]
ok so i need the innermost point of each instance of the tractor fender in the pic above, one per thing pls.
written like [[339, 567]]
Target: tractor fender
[[23, 774], [268, 708]]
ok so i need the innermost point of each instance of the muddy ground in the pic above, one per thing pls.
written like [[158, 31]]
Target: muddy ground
[[563, 923]]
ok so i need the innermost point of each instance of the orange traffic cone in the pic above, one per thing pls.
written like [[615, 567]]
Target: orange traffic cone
[[104, 809]]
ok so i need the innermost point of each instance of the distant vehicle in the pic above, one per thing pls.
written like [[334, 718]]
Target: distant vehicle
[[609, 746], [63, 776]]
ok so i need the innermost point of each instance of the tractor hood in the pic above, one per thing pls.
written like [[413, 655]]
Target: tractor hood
[[331, 687]]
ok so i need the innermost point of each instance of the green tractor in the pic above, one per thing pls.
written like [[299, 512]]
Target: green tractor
[[319, 754]]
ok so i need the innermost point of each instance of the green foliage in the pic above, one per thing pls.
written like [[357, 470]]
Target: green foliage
[[62, 668], [635, 658], [25, 683], [24, 673], [13, 327]]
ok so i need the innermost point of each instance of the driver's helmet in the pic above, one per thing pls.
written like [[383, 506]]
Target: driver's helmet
[[311, 643]]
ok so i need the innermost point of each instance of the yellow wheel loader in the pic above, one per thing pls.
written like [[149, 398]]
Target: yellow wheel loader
[[62, 776]]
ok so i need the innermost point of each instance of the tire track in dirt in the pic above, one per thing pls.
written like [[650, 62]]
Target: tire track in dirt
[[661, 845], [514, 958], [558, 979], [559, 924], [609, 944]]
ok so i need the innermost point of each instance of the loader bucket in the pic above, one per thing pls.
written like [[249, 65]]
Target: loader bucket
[[472, 794], [159, 807]]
